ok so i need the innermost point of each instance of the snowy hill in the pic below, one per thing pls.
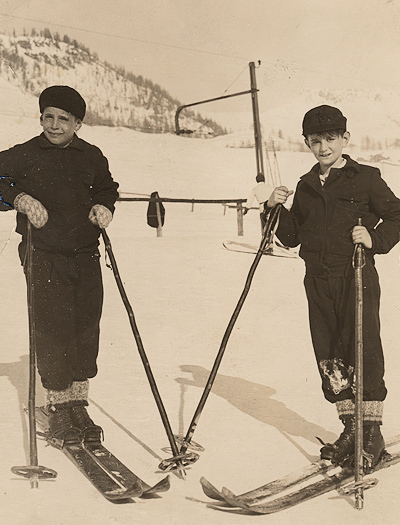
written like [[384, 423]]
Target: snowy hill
[[114, 96], [372, 118]]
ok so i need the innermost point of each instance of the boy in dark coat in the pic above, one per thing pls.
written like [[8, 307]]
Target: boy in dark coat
[[63, 186], [327, 205]]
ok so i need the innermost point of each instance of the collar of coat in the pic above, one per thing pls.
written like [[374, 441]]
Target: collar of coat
[[349, 169], [76, 143]]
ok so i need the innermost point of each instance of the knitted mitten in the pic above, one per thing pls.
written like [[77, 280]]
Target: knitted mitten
[[100, 216], [36, 212]]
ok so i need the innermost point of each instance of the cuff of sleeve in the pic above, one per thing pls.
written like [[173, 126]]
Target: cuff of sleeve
[[17, 199], [373, 249], [106, 207]]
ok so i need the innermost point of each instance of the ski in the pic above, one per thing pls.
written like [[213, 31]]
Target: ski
[[104, 470], [275, 250], [121, 472], [273, 487], [336, 481], [282, 484], [103, 481]]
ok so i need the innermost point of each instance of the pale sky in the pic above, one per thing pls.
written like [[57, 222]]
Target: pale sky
[[199, 49]]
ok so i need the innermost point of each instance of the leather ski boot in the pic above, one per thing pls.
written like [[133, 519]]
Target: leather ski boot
[[343, 448], [62, 429], [373, 445], [90, 432]]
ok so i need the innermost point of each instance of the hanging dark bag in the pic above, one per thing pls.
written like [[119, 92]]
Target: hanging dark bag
[[152, 218]]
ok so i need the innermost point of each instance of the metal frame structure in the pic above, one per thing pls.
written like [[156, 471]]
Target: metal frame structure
[[256, 116]]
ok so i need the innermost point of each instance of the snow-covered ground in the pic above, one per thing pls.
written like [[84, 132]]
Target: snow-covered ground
[[266, 407]]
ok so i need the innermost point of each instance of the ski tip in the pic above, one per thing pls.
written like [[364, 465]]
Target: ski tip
[[135, 490], [210, 491], [233, 500], [161, 486]]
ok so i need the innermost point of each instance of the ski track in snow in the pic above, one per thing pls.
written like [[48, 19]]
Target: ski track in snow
[[266, 407]]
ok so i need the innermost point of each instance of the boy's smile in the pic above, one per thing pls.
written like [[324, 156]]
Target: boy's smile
[[327, 147], [59, 126]]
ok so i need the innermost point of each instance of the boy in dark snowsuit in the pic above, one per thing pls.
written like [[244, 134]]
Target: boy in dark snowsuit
[[62, 185], [328, 203]]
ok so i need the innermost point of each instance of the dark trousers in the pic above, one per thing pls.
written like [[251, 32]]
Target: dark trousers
[[67, 305], [331, 302]]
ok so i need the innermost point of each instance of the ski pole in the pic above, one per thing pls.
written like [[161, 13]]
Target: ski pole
[[179, 460], [359, 485], [358, 264], [269, 230], [33, 471]]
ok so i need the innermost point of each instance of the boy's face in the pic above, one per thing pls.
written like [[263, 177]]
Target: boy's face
[[327, 147], [59, 126]]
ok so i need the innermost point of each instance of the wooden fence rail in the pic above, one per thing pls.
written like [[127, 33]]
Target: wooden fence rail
[[238, 204]]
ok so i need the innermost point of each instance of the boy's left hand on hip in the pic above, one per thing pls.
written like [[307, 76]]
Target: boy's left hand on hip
[[100, 216], [360, 235]]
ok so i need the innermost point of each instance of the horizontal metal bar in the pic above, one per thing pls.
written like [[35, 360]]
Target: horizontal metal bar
[[168, 199]]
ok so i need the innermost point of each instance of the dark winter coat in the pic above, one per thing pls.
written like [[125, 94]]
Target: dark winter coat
[[321, 218], [67, 181]]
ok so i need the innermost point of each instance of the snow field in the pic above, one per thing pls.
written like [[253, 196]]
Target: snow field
[[266, 407]]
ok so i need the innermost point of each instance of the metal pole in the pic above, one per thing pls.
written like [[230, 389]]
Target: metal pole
[[33, 471], [32, 362], [178, 131], [358, 264], [159, 221], [239, 213], [256, 119]]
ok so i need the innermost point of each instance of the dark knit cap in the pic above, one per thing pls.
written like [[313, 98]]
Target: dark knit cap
[[63, 97], [323, 118]]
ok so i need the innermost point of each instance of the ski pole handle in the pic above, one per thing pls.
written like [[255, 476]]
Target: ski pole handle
[[358, 260]]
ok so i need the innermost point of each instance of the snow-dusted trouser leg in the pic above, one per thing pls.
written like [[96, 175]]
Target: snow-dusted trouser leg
[[332, 321]]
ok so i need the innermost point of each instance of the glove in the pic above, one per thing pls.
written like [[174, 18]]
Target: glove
[[100, 216], [34, 209]]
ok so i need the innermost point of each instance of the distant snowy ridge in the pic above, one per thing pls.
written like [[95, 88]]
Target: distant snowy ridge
[[119, 98], [114, 97], [373, 119]]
